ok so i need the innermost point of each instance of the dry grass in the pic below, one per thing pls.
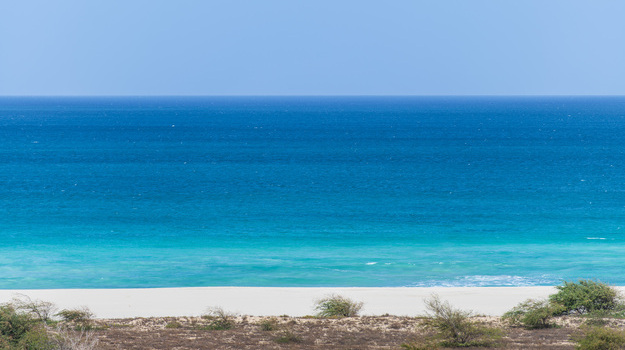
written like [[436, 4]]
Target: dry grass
[[365, 332]]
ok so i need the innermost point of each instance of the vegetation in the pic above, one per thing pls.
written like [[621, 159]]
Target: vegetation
[[533, 314], [337, 306], [600, 338], [41, 310], [454, 328], [22, 331], [67, 339], [81, 318], [586, 296], [421, 343], [287, 336], [173, 325], [219, 319], [269, 324]]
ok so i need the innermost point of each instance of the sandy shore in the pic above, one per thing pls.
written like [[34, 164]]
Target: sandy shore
[[268, 301]]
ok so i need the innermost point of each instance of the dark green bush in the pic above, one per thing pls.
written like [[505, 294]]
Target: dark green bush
[[533, 314], [454, 328], [586, 296], [37, 339], [22, 331], [337, 306], [600, 338]]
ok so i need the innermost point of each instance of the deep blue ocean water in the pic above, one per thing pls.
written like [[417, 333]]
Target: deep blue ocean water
[[311, 191]]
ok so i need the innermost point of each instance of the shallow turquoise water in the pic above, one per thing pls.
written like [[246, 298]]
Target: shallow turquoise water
[[368, 191]]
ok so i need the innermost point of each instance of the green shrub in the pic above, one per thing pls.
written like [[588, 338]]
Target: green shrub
[[533, 314], [21, 330], [173, 324], [82, 316], [37, 339], [421, 343], [600, 338], [288, 336], [337, 306], [586, 296], [269, 324], [219, 319], [454, 328]]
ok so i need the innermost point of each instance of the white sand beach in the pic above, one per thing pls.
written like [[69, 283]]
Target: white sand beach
[[270, 301]]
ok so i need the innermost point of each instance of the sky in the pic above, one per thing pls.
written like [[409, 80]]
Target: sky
[[312, 47]]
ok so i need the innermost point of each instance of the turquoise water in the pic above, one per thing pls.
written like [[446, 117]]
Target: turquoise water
[[314, 191]]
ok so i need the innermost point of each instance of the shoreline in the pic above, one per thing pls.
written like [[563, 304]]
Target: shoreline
[[276, 301]]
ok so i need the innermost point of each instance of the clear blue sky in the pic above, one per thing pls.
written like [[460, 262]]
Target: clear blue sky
[[314, 47]]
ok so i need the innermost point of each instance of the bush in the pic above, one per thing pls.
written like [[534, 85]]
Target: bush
[[337, 306], [586, 296], [21, 330], [219, 319], [454, 328], [41, 310], [600, 338], [37, 339], [422, 343], [173, 324], [81, 318], [287, 336], [533, 314], [270, 324]]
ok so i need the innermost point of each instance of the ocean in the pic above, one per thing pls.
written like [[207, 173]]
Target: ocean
[[124, 192]]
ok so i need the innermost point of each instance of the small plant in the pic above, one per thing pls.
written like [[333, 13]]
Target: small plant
[[269, 324], [219, 319], [533, 314], [337, 306], [173, 325], [601, 338], [586, 296], [41, 310], [421, 343], [287, 336], [82, 318], [454, 328]]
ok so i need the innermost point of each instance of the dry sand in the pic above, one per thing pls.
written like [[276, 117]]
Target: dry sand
[[270, 301]]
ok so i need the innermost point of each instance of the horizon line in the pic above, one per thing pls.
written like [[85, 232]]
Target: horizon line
[[322, 95]]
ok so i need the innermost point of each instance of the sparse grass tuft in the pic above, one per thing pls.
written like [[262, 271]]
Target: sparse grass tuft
[[287, 336], [268, 324], [173, 325], [337, 306]]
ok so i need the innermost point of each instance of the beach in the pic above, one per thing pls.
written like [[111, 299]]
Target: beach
[[275, 301]]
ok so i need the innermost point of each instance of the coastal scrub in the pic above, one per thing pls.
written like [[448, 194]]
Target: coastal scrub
[[337, 306]]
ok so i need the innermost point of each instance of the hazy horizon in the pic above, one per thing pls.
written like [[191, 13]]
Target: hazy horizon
[[279, 47]]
